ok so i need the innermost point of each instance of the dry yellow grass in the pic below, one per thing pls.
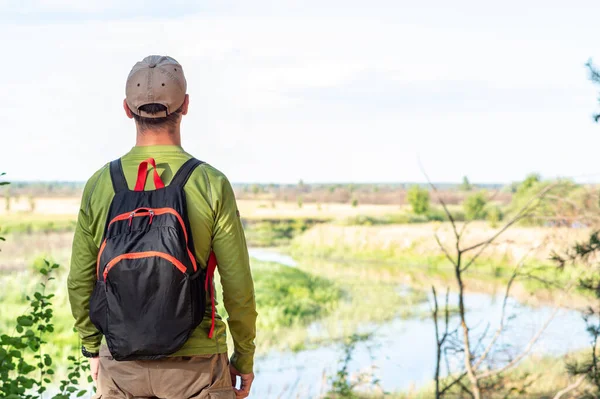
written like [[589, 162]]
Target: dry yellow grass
[[42, 206], [419, 239], [257, 209], [249, 209]]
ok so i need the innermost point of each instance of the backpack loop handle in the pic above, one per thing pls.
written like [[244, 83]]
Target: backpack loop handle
[[143, 172]]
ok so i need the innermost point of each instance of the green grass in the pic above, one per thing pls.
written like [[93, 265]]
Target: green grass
[[487, 274], [273, 233], [288, 296], [28, 223], [320, 303]]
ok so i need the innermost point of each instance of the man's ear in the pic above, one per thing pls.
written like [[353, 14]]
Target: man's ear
[[186, 104], [127, 110]]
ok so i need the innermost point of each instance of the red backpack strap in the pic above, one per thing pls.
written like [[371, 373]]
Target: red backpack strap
[[143, 172], [210, 273]]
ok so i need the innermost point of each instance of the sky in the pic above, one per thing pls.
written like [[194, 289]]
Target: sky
[[318, 90]]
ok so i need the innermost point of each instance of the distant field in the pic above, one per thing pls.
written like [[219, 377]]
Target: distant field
[[51, 208], [22, 206], [262, 209]]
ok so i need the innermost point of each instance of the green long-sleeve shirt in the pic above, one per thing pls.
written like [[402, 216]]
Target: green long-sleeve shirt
[[215, 223]]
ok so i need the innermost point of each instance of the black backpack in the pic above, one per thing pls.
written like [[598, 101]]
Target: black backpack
[[150, 294]]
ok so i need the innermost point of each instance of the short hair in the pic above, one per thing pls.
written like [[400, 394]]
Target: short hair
[[169, 122]]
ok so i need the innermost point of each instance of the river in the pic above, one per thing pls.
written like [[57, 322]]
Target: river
[[401, 353]]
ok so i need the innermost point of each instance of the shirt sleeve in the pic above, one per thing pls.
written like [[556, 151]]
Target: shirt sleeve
[[229, 245], [81, 280]]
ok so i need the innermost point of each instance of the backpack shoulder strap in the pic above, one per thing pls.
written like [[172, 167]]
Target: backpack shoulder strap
[[117, 176], [184, 173]]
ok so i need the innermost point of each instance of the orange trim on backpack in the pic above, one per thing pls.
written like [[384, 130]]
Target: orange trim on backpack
[[140, 255], [157, 211]]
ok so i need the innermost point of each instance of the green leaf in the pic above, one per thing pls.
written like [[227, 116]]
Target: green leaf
[[15, 353], [81, 393], [25, 321], [47, 360]]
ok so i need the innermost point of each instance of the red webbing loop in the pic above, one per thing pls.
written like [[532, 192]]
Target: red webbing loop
[[143, 171], [210, 273]]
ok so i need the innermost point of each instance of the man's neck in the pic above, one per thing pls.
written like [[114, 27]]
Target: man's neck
[[158, 137]]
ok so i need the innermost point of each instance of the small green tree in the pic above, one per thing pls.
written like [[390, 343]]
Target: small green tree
[[466, 184], [474, 206], [494, 216], [300, 201], [354, 202], [418, 198]]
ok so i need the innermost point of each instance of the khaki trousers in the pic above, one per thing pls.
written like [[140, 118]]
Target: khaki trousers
[[184, 377]]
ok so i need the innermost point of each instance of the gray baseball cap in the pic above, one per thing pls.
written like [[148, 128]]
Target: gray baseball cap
[[156, 80]]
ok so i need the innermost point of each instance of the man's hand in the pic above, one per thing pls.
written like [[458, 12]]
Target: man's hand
[[94, 365], [247, 379]]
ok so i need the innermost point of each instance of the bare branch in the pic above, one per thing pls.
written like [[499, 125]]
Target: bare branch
[[502, 318], [456, 381], [437, 239], [438, 342], [571, 387], [511, 281], [450, 217], [525, 351]]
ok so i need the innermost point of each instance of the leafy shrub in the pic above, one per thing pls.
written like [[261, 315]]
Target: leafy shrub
[[474, 206], [566, 201], [418, 198], [25, 370], [494, 216]]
